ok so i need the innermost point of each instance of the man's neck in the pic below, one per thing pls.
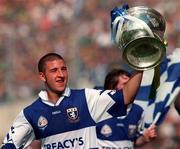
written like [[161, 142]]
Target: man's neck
[[53, 97]]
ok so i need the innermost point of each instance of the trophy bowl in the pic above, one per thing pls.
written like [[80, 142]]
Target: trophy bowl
[[144, 53], [141, 38]]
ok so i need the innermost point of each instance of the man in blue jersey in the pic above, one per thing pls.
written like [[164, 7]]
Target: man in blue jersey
[[66, 118], [122, 132]]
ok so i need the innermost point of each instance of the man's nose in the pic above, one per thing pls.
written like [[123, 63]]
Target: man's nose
[[60, 73]]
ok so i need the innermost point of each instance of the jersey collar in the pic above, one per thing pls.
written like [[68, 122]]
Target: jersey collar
[[44, 97]]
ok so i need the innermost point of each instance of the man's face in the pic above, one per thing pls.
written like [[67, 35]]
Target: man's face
[[122, 80], [55, 76]]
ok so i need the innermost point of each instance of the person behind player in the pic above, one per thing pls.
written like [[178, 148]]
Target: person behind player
[[122, 132], [66, 118]]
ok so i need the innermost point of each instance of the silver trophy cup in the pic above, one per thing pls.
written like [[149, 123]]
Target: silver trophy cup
[[141, 38]]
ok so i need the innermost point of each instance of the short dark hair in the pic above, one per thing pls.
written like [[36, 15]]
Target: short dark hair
[[111, 79], [48, 57]]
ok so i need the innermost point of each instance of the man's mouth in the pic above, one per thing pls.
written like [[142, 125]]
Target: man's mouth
[[60, 80]]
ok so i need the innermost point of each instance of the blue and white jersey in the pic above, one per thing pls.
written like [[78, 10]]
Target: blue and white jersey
[[70, 123], [120, 133]]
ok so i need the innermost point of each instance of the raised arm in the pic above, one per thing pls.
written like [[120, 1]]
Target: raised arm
[[131, 88]]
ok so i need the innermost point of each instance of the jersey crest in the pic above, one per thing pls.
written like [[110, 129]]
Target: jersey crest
[[72, 114], [106, 130], [132, 130], [42, 122]]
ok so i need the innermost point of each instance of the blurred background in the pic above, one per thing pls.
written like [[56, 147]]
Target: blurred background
[[79, 30]]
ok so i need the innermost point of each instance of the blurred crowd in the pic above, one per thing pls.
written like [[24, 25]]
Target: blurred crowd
[[79, 30]]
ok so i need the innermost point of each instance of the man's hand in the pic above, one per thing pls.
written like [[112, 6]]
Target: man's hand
[[150, 133]]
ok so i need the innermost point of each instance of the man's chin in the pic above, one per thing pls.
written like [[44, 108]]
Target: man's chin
[[60, 91]]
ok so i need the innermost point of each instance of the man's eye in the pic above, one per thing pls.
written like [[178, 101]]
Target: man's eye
[[53, 70], [64, 68]]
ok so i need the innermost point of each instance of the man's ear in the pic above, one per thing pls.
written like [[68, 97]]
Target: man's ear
[[42, 76]]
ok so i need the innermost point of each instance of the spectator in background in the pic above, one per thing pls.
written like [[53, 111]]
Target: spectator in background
[[66, 118], [122, 132]]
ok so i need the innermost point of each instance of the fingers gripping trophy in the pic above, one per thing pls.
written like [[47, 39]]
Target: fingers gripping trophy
[[139, 31]]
